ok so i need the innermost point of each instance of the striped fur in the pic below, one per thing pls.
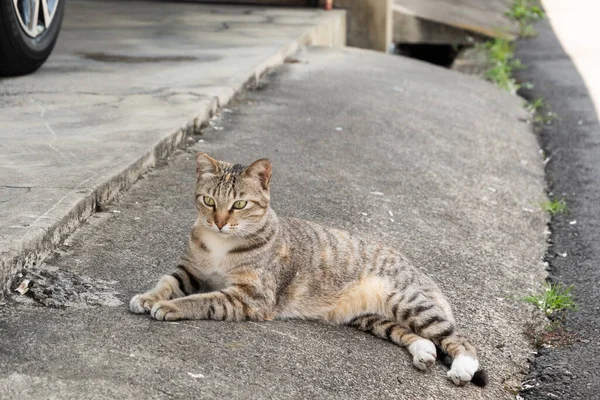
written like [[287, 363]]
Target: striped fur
[[248, 264]]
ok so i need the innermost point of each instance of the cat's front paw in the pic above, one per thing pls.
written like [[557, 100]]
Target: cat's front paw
[[462, 370], [423, 352], [166, 310], [142, 303]]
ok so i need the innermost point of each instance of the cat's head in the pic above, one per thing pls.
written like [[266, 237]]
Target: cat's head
[[232, 199]]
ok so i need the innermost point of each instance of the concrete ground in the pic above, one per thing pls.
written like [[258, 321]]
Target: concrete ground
[[563, 64], [125, 83], [440, 165]]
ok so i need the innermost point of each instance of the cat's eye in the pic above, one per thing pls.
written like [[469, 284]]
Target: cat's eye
[[238, 205], [209, 201]]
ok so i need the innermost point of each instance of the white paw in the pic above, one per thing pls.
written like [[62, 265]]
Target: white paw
[[423, 352], [136, 305], [463, 368]]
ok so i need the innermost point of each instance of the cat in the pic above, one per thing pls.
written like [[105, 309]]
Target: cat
[[244, 263]]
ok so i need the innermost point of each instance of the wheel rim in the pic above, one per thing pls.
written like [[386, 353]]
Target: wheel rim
[[35, 16]]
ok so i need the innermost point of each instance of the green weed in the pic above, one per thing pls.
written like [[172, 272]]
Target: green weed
[[500, 52], [535, 105], [554, 298], [554, 206], [502, 64], [545, 118], [524, 12], [541, 114]]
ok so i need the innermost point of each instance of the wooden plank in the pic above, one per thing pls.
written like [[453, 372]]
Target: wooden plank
[[484, 17], [410, 29]]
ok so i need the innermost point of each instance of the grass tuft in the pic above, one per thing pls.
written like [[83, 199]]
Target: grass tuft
[[554, 298], [554, 206], [524, 12], [502, 64], [535, 105], [545, 118], [541, 115], [500, 52]]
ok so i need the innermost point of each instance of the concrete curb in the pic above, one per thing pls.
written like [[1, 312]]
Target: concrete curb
[[38, 245]]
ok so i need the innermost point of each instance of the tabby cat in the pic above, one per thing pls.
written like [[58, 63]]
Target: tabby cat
[[244, 263]]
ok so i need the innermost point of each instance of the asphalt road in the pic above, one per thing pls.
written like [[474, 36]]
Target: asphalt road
[[573, 172]]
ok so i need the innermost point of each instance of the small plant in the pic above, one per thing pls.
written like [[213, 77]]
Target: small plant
[[535, 105], [554, 206], [500, 51], [545, 118], [524, 12], [554, 298], [541, 115], [500, 55]]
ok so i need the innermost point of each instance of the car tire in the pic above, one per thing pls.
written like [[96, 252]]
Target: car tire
[[20, 52]]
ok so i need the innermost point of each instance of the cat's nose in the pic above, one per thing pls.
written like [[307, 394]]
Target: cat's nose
[[220, 224]]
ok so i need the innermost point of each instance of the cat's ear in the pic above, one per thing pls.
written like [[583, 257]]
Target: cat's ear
[[261, 171], [205, 164]]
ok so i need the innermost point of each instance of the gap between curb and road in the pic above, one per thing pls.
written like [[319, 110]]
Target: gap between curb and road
[[37, 245], [562, 66]]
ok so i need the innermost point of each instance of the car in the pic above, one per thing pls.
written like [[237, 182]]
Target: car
[[28, 32]]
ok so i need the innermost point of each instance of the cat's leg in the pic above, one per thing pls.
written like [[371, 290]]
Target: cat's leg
[[426, 316], [422, 350], [231, 304], [247, 298], [181, 282], [460, 349], [465, 363]]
